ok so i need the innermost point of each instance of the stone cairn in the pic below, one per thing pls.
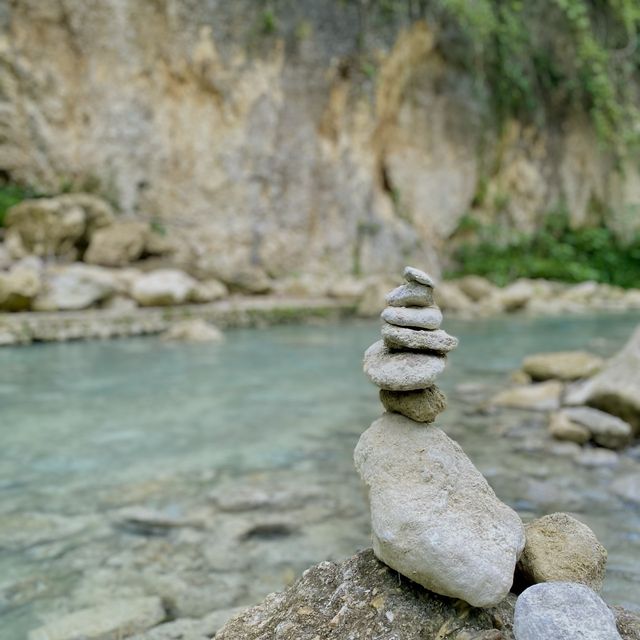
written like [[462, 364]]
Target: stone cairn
[[434, 517]]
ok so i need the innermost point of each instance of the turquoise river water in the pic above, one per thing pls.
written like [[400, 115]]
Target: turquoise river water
[[89, 429]]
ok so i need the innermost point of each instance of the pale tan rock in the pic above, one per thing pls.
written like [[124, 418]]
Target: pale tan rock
[[209, 291], [562, 428], [163, 287], [543, 396], [560, 548], [19, 287], [57, 226], [517, 295], [477, 288], [117, 244], [449, 297], [195, 330], [605, 429], [422, 405], [109, 621], [562, 365]]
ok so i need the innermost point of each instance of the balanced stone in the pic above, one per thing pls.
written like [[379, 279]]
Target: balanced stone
[[423, 405], [419, 339], [563, 611], [412, 294], [419, 317], [401, 371], [435, 519], [411, 274], [560, 548]]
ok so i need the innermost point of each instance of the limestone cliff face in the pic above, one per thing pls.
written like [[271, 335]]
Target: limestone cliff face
[[277, 150]]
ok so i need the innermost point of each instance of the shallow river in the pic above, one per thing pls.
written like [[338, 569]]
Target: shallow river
[[208, 435]]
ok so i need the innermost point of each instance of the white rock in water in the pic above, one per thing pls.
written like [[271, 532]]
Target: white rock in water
[[412, 294], [420, 317], [563, 611], [435, 519], [420, 339], [411, 274], [163, 287], [401, 370]]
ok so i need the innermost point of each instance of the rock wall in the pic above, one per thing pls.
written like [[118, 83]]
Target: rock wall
[[269, 142]]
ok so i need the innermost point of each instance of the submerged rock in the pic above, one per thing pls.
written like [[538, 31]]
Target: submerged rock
[[562, 365], [401, 371], [434, 517], [109, 621], [560, 548], [563, 611], [194, 330]]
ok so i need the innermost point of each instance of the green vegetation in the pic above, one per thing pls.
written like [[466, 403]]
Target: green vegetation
[[537, 59], [11, 194], [555, 251]]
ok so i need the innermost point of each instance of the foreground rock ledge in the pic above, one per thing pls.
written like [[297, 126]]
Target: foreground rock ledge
[[361, 599]]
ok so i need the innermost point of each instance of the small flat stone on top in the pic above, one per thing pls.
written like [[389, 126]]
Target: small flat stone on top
[[401, 371], [411, 274], [412, 294], [416, 317], [419, 339]]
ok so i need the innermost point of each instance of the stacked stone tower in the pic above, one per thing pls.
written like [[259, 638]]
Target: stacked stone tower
[[434, 517]]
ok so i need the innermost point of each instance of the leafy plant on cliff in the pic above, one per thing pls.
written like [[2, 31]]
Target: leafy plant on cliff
[[538, 59], [555, 251], [11, 194]]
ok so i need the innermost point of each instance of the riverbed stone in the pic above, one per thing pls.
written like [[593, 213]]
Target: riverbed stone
[[615, 389], [562, 365], [419, 339], [422, 405], [411, 274], [414, 476], [562, 428], [563, 611], [560, 548], [418, 317], [401, 371], [605, 429], [543, 396], [412, 294], [109, 621]]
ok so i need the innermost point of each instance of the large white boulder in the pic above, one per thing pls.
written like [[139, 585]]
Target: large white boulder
[[435, 519]]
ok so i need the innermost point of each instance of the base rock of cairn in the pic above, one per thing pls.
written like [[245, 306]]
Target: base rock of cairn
[[434, 517]]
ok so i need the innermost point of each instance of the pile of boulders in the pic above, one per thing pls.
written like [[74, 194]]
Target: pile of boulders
[[435, 519], [591, 402]]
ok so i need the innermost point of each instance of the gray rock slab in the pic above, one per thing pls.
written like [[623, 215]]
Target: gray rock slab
[[418, 339], [401, 371], [606, 430], [412, 294], [435, 519], [418, 317], [563, 611]]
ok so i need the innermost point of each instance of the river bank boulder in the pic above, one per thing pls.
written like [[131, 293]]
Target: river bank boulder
[[363, 598]]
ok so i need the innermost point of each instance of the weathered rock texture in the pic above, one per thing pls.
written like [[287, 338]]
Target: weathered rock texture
[[560, 548], [274, 150], [361, 598], [434, 517]]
